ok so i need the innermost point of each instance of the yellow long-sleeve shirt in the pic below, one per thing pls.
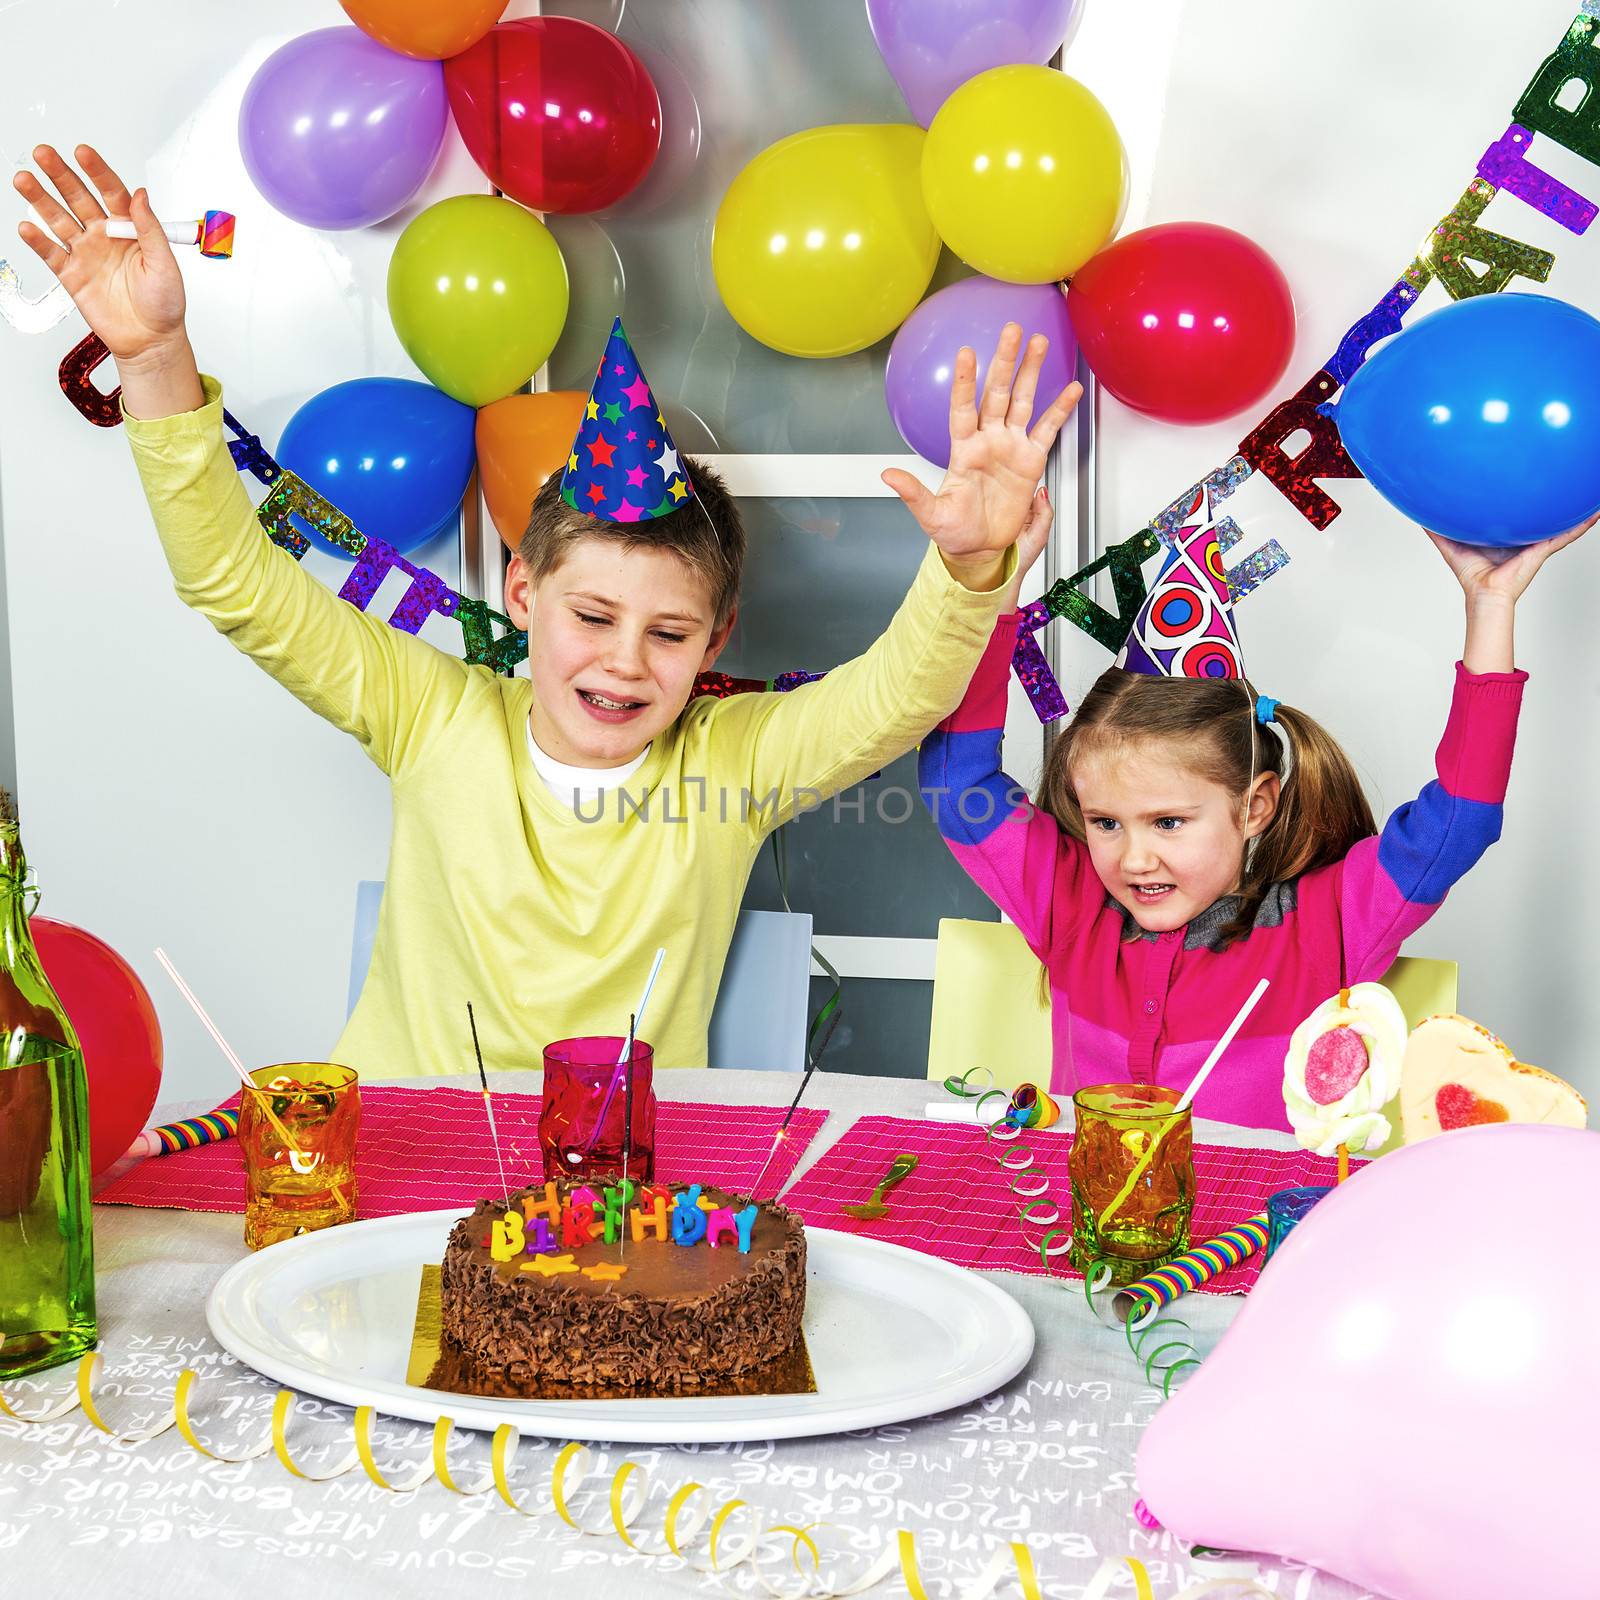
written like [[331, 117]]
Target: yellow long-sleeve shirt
[[495, 890]]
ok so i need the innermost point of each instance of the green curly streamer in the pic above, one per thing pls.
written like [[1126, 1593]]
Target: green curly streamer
[[1142, 1324]]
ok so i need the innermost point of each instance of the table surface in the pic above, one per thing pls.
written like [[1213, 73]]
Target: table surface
[[1048, 1460]]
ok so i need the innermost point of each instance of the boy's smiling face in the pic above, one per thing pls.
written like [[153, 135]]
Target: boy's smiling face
[[1165, 841], [616, 637]]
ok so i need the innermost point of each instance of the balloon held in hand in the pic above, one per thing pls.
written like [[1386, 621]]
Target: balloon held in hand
[[1479, 421]]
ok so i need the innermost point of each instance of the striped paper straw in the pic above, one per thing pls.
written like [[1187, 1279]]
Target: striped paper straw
[[1194, 1267], [189, 1134]]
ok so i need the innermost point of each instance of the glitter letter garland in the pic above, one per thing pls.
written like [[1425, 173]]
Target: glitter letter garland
[[1505, 164], [249, 454], [1323, 457], [31, 316], [477, 619], [1457, 241], [1125, 560], [428, 592], [1574, 58], [291, 494], [1034, 674], [103, 410], [1382, 320]]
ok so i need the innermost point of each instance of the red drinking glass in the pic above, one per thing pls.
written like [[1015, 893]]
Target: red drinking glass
[[585, 1101]]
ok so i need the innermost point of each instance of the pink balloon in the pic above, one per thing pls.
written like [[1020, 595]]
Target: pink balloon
[[1407, 1398]]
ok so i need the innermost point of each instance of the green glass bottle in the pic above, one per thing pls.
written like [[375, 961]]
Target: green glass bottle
[[46, 1236]]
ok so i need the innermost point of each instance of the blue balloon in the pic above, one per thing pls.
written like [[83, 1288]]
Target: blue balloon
[[1482, 420], [394, 455]]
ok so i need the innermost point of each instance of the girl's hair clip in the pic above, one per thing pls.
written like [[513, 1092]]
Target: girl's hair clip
[[1266, 709]]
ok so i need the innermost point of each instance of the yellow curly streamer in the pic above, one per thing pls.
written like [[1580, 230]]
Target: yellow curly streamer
[[628, 1494], [626, 1498]]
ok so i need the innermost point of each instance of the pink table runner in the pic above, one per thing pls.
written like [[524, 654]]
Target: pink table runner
[[958, 1204], [426, 1149]]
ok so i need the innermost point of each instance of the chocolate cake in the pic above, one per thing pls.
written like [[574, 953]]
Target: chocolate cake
[[571, 1288]]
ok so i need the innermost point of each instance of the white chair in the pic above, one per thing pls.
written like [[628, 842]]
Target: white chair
[[759, 1020]]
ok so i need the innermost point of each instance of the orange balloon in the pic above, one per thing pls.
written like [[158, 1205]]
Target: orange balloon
[[521, 441], [427, 29]]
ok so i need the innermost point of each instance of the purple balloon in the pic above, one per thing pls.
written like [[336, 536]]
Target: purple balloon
[[933, 46], [338, 132], [922, 359]]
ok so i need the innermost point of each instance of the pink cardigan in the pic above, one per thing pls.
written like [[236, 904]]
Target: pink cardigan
[[1129, 1006]]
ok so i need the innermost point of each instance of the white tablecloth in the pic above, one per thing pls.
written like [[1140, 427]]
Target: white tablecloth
[[1048, 1461]]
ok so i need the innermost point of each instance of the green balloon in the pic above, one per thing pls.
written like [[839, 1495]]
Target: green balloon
[[478, 296]]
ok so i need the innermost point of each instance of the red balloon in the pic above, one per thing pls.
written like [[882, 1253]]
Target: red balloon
[[117, 1027], [1186, 321], [560, 114]]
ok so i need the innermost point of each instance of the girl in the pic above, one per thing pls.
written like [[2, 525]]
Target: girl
[[1190, 838]]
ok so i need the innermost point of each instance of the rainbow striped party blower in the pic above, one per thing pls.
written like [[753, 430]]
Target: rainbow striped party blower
[[190, 1134], [213, 233], [1195, 1267]]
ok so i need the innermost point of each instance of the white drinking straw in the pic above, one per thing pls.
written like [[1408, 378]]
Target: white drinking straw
[[227, 1050], [205, 1021], [644, 1000], [1187, 1099]]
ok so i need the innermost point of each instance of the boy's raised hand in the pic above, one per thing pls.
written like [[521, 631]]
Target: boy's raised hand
[[129, 291], [990, 498]]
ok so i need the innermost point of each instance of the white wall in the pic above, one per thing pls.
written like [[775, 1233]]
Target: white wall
[[1337, 137], [173, 795]]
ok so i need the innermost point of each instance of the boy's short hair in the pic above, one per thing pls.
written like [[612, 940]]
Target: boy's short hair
[[706, 533]]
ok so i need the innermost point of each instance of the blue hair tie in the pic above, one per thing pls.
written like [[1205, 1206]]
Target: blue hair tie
[[1266, 709]]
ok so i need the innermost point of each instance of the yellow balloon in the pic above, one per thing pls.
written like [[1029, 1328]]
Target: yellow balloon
[[822, 245], [478, 295], [1024, 174]]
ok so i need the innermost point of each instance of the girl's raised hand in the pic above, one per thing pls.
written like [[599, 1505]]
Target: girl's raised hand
[[1494, 573], [130, 291]]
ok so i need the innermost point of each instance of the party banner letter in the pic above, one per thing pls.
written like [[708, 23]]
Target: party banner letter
[[249, 454], [1323, 456], [103, 410], [292, 494], [1575, 61], [477, 633], [1505, 164], [428, 592], [1458, 240], [1125, 561]]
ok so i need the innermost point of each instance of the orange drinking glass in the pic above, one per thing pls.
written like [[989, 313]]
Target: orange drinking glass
[[297, 1129]]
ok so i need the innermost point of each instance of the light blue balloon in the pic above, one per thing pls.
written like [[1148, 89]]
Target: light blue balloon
[[1482, 420], [394, 455]]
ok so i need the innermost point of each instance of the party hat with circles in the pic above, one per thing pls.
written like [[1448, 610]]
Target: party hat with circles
[[1185, 626], [623, 466]]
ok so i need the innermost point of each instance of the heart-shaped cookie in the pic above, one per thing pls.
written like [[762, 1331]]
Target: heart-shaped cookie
[[1456, 1075]]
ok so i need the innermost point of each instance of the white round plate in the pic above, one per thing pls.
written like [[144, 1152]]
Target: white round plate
[[893, 1335]]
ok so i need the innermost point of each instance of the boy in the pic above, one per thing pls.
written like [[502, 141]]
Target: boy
[[505, 884]]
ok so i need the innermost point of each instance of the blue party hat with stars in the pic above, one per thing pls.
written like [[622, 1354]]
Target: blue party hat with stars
[[623, 466]]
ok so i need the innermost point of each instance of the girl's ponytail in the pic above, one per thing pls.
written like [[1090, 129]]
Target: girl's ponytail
[[1321, 812]]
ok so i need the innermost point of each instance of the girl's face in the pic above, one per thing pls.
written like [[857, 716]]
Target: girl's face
[[1166, 842]]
